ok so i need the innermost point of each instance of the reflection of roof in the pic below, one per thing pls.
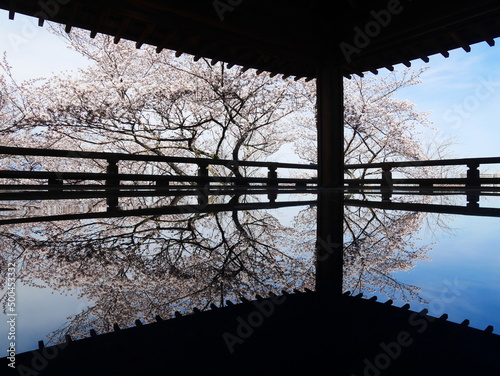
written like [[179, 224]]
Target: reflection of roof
[[282, 36], [292, 334]]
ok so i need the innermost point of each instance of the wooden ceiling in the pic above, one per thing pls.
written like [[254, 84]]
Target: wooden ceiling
[[288, 37]]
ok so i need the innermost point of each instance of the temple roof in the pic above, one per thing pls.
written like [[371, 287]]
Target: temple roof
[[283, 37]]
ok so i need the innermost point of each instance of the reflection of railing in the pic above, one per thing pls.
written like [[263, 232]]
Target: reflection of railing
[[428, 208], [158, 211]]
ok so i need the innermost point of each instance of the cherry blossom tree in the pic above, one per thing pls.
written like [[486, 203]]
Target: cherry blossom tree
[[138, 101], [378, 126]]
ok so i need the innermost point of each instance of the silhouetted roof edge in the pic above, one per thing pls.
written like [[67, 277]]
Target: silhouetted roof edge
[[283, 37]]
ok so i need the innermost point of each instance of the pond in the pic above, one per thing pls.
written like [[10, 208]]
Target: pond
[[80, 266]]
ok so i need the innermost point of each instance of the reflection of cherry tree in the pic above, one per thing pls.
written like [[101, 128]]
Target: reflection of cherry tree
[[144, 266], [377, 243]]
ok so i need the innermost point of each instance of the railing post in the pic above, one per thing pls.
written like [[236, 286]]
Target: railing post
[[473, 181], [426, 188], [386, 176], [272, 174], [354, 187], [162, 184], [56, 184], [203, 173], [55, 181], [473, 175], [204, 184], [112, 169], [386, 185], [112, 184]]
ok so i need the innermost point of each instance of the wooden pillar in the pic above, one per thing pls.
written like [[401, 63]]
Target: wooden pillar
[[330, 123]]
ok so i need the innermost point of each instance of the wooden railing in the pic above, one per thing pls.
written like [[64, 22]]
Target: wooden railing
[[115, 182], [114, 179], [472, 183], [472, 180]]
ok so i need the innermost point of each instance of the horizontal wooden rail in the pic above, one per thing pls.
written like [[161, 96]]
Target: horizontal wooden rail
[[113, 178], [61, 183], [177, 191], [442, 162], [429, 208], [423, 181], [146, 158], [9, 150]]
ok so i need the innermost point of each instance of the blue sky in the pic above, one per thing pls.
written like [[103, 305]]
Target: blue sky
[[463, 94]]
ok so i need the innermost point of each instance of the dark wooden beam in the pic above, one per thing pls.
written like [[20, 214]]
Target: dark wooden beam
[[330, 124]]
